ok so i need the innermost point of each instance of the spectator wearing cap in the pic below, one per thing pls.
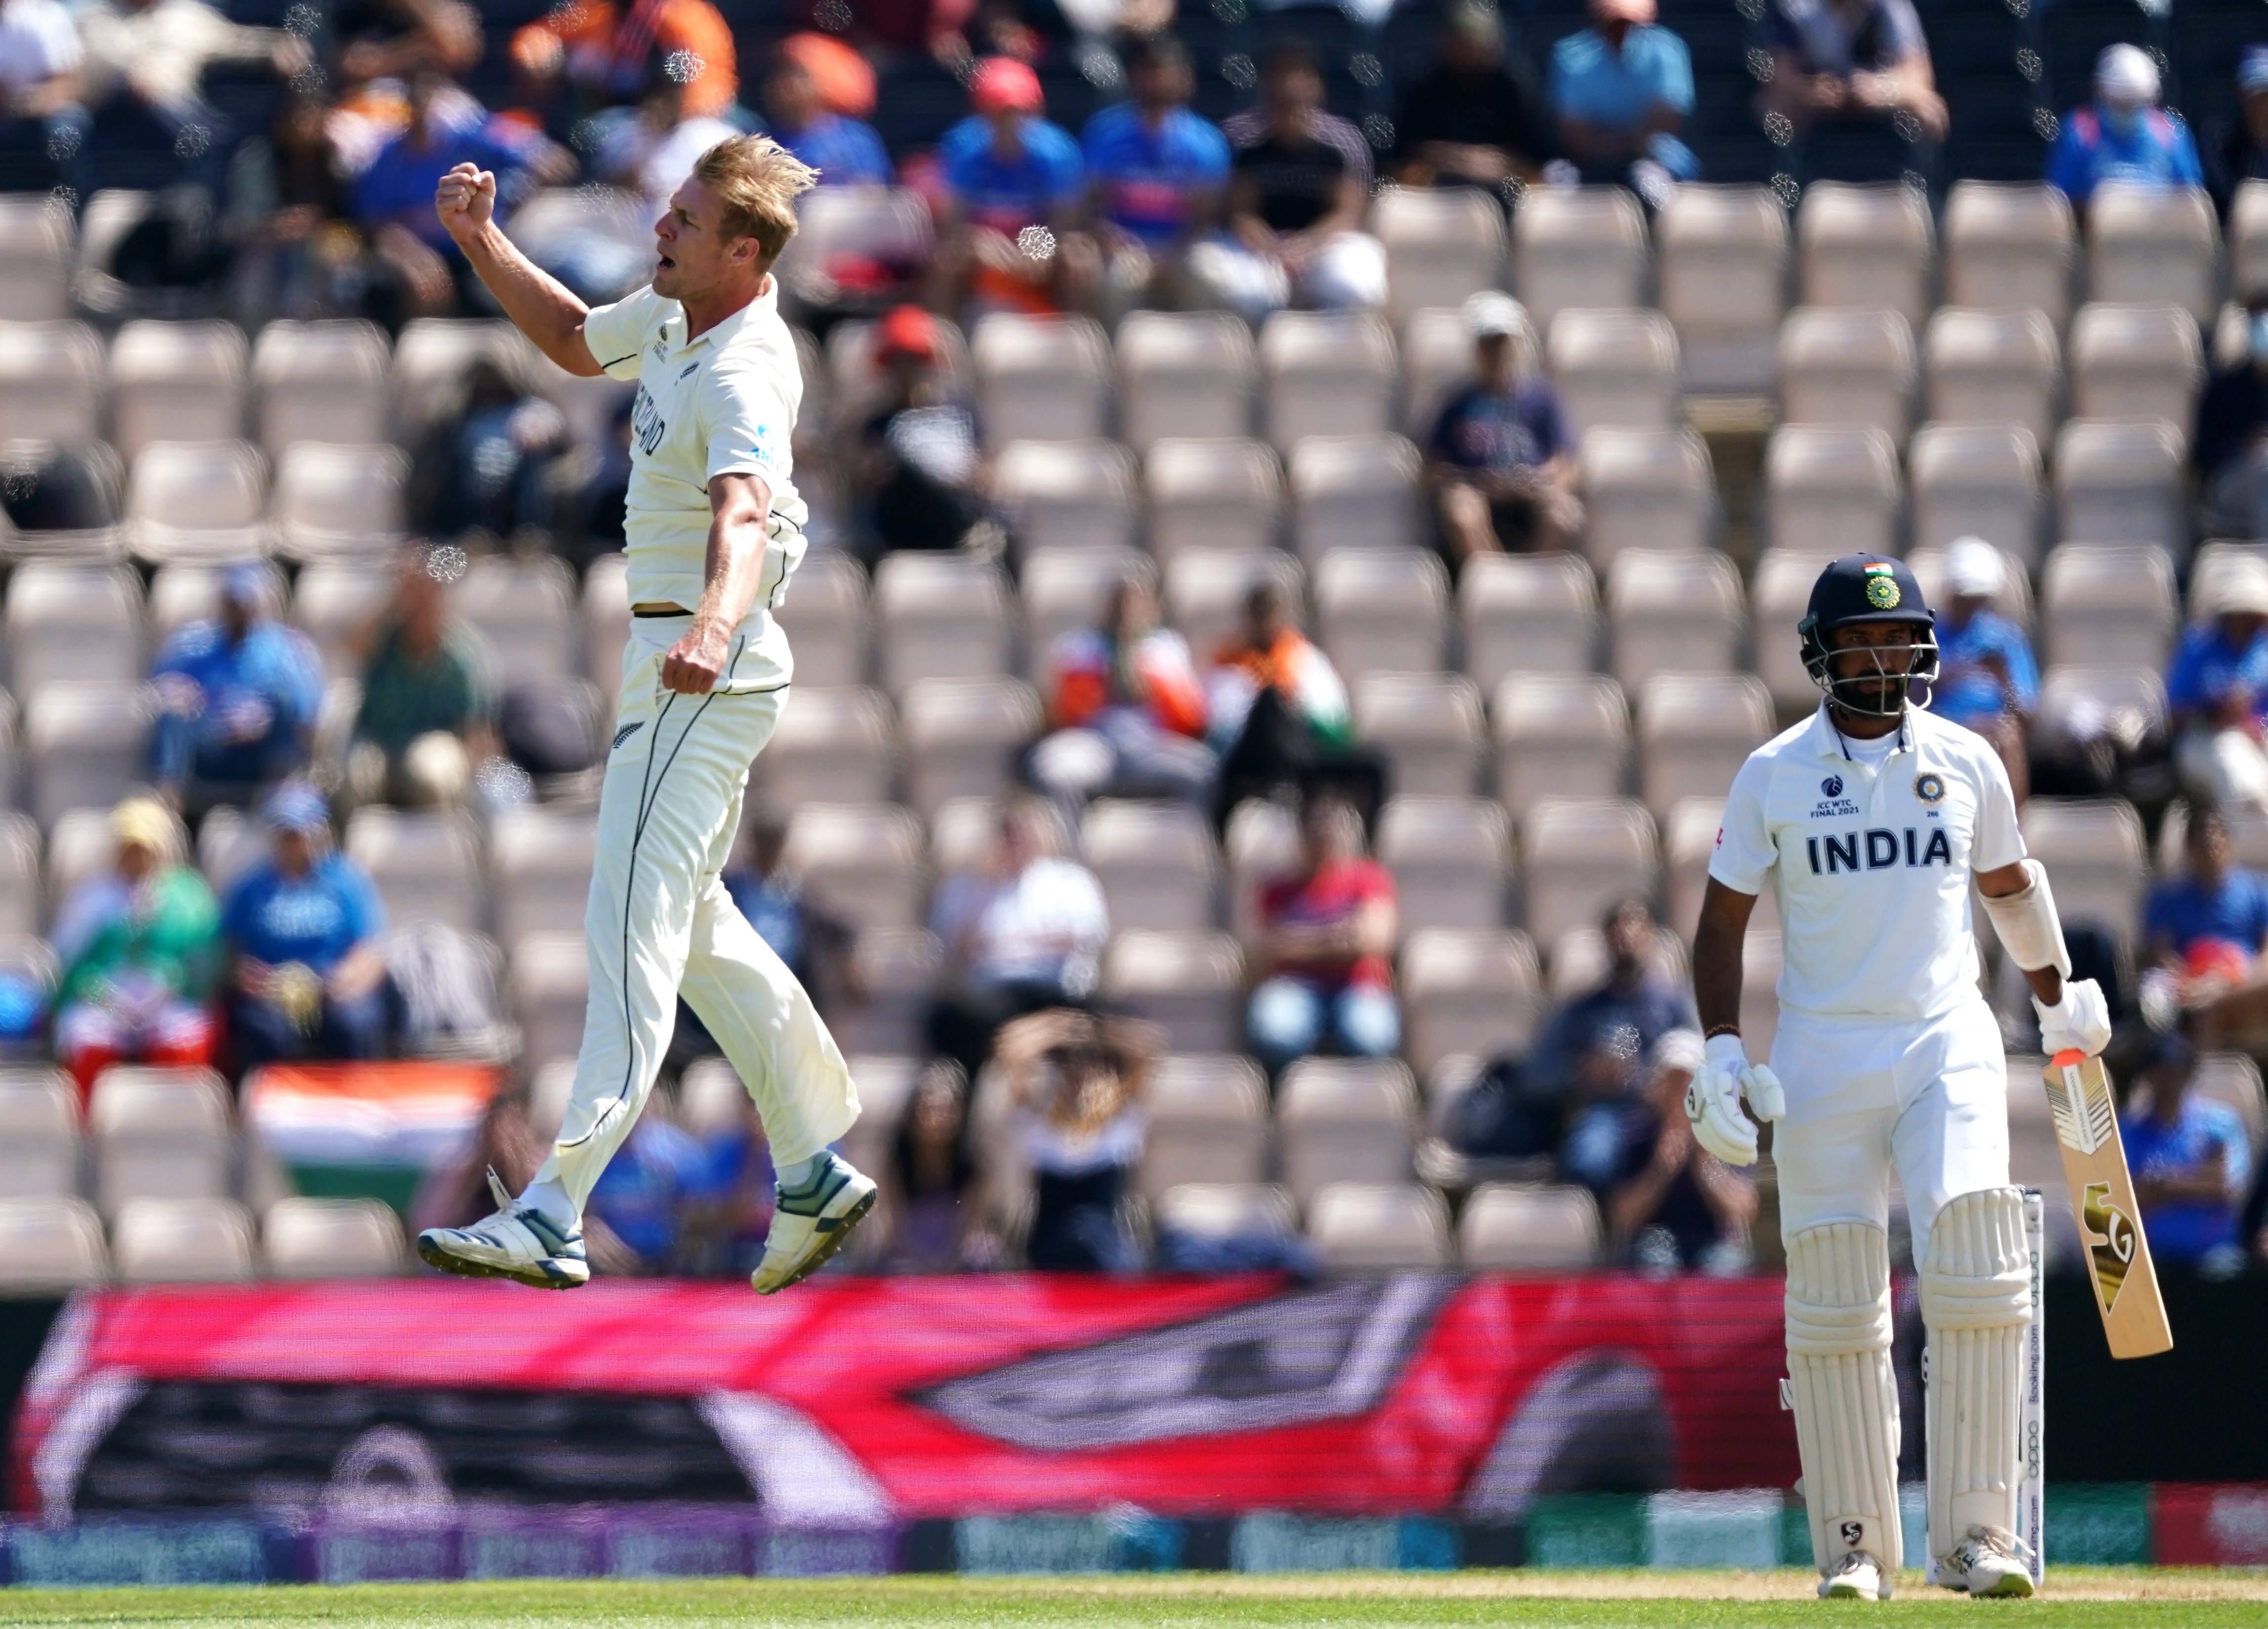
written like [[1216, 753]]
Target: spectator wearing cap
[[2204, 930], [1476, 120], [2122, 135], [1851, 61], [2191, 1160], [2229, 445], [1155, 172], [1298, 186], [2242, 154], [238, 696], [1621, 90], [1986, 679], [2217, 690], [1015, 184], [1499, 461], [918, 459], [845, 151], [307, 970]]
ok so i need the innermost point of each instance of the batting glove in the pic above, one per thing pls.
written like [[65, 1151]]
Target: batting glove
[[2080, 1023], [1712, 1100]]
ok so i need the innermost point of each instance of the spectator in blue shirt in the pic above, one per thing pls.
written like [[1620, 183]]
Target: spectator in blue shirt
[[2192, 1161], [1593, 1048], [1668, 1203], [1499, 460], [1987, 679], [645, 1187], [845, 153], [1155, 172], [2124, 134], [238, 697], [1013, 185], [2217, 689], [2205, 930], [308, 971], [1620, 90]]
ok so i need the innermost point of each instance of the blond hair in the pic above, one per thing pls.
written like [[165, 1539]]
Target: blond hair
[[758, 181]]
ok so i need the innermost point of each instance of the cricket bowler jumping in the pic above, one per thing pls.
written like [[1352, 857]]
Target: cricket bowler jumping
[[713, 531], [1872, 818]]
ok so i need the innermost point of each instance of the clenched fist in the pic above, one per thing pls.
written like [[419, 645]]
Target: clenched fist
[[466, 201]]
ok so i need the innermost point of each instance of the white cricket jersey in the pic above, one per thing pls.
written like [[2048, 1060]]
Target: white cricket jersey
[[723, 403], [1872, 862]]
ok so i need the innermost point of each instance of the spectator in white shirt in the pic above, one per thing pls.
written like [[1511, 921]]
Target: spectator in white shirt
[[150, 55], [39, 64]]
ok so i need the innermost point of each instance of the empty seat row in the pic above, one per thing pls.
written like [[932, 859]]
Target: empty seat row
[[50, 1245]]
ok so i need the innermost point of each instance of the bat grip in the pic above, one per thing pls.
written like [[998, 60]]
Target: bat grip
[[2070, 1057]]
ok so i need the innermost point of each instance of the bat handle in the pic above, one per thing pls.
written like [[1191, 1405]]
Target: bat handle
[[2070, 1057]]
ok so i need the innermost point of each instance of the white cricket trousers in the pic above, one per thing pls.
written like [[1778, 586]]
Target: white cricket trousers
[[659, 923], [1927, 1099]]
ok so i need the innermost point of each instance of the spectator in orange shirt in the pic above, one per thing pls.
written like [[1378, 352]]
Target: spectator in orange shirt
[[1128, 709], [605, 52]]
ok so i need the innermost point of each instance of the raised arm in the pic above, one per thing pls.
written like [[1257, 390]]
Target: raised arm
[[538, 304]]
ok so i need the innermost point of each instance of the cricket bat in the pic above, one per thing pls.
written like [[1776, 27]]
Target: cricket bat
[[2102, 1192]]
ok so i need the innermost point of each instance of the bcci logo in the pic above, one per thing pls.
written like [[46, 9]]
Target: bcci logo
[[1832, 785], [1882, 588], [1930, 788]]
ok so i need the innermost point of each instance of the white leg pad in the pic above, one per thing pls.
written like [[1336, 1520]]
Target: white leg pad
[[1975, 1301], [1845, 1396]]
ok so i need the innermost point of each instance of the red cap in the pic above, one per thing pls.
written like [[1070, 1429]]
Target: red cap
[[909, 331], [1003, 85]]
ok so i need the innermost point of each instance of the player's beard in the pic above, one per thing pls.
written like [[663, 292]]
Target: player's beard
[[1870, 691]]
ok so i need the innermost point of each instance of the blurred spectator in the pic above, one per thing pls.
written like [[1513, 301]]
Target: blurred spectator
[[1075, 1087], [660, 1173], [1851, 61], [39, 81], [2242, 155], [1476, 120], [594, 484], [1129, 712], [1326, 932], [2124, 134], [1025, 932], [604, 51], [1987, 681], [650, 149], [2217, 690], [1299, 188], [1014, 183], [1156, 169], [507, 1149], [935, 1187], [140, 949], [392, 39], [1591, 1049], [237, 698], [487, 463], [844, 151], [939, 29], [2229, 450], [424, 718], [1621, 90], [1668, 1201], [2191, 1160], [1499, 460], [149, 57], [815, 946], [304, 927], [2207, 929], [918, 459], [296, 257], [1279, 717]]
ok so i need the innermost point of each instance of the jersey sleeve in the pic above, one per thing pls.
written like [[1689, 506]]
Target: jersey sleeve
[[1998, 841], [749, 420], [617, 334], [1745, 849]]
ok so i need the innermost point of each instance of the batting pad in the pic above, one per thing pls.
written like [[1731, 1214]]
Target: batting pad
[[1976, 1300], [1844, 1395]]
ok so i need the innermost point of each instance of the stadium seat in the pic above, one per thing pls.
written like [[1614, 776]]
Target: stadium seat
[[2210, 568], [332, 1239], [1977, 481], [2247, 837], [1451, 859], [182, 1241], [2151, 244], [1157, 862], [2233, 1081], [711, 1099], [334, 602], [524, 613], [1615, 367], [1369, 1226], [897, 972], [2108, 605], [39, 1135], [229, 843], [1866, 247], [80, 846], [175, 382], [23, 905], [426, 866], [1695, 730], [1345, 1119], [546, 989], [2010, 245], [2078, 704], [861, 864], [1068, 494], [1263, 842], [36, 243], [2247, 238], [1355, 492], [1688, 842], [1671, 611], [1326, 374], [1065, 590], [939, 617], [1476, 994], [1208, 1124], [2092, 848], [881, 226], [1512, 1227], [1040, 379], [1578, 246], [1994, 367], [1226, 1213], [831, 745], [1847, 367], [1189, 984], [856, 383], [183, 593], [540, 863], [50, 1247], [1429, 726], [160, 1133], [72, 624], [1779, 595], [1559, 735], [1581, 855], [2135, 362], [1437, 357], [1382, 610], [825, 615], [1206, 589], [1831, 487], [1723, 261], [85, 744], [2122, 482], [1441, 246], [323, 382], [1212, 495], [334, 499], [1527, 614], [1185, 375], [962, 737], [51, 380], [1645, 489], [432, 359], [197, 500]]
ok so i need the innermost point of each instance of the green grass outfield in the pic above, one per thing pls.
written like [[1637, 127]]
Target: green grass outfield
[[2112, 1598]]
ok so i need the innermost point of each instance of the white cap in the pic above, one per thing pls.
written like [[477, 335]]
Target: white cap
[[2125, 77], [1974, 568], [1490, 314], [1679, 1049], [2240, 587]]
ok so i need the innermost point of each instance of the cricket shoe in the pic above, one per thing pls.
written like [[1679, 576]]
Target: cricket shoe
[[1857, 1576], [518, 1242], [1988, 1562], [810, 1225]]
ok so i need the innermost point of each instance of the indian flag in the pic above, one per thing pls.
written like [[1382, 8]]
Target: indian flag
[[367, 1130]]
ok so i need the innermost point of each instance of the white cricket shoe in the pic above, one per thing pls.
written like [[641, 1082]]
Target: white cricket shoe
[[808, 1227], [1857, 1576], [1988, 1562], [517, 1242]]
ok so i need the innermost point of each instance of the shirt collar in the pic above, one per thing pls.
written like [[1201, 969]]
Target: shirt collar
[[729, 329], [1826, 741]]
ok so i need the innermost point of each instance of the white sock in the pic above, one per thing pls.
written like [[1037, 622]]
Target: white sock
[[549, 1200], [799, 1176]]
